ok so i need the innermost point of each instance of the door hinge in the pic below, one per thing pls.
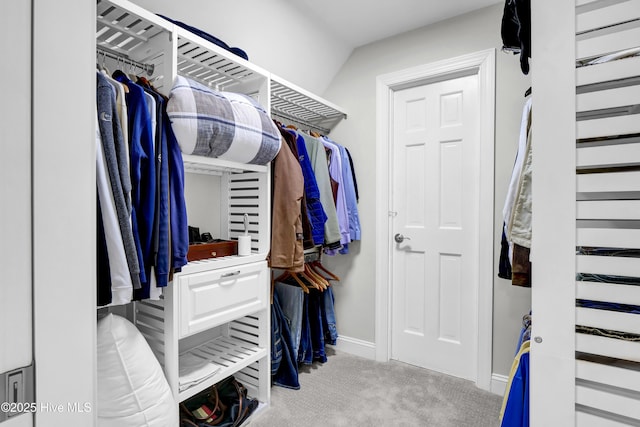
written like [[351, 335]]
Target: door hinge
[[17, 391]]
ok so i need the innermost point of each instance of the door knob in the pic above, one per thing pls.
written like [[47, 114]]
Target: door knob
[[399, 238]]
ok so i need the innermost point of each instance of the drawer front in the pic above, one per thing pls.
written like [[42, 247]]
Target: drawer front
[[211, 298]]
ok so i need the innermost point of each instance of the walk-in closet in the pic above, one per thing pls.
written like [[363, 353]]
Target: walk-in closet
[[287, 212]]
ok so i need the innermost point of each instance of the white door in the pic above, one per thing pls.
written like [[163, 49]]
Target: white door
[[436, 199], [15, 212]]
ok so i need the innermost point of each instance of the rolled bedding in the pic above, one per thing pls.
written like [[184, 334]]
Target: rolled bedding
[[225, 125]]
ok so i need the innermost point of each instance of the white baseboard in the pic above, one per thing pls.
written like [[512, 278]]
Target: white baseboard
[[356, 347], [499, 384]]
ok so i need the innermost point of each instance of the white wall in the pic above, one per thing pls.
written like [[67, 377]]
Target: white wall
[[354, 89], [274, 35], [294, 46]]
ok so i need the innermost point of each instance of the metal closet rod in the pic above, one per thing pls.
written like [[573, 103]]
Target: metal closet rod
[[108, 53], [303, 124]]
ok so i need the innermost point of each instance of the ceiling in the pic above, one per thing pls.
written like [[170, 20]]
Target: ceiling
[[359, 22]]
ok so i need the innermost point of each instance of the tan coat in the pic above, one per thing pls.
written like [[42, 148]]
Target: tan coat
[[286, 223]]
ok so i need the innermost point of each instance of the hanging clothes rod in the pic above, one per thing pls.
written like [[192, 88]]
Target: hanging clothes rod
[[118, 57], [288, 119]]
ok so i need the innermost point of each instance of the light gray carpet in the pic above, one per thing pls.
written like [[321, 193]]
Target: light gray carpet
[[352, 391]]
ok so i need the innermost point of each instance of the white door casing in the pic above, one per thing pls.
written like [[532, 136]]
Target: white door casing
[[16, 349], [481, 64], [435, 194]]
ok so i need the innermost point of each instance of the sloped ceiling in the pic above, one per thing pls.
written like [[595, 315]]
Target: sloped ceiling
[[359, 22]]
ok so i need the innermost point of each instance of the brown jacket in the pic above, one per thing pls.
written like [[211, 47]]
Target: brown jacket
[[286, 221]]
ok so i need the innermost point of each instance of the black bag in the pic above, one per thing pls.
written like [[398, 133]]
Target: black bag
[[225, 404], [239, 406]]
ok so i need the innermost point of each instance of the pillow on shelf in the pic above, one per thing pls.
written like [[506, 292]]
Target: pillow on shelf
[[132, 388], [225, 125]]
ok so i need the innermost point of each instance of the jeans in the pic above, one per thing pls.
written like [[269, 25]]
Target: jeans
[[315, 321], [328, 317], [305, 352], [291, 301], [287, 373]]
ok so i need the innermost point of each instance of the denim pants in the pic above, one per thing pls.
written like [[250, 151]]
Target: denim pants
[[287, 373], [328, 317], [315, 321], [305, 351], [291, 301]]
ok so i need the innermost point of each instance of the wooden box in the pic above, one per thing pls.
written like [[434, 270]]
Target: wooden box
[[216, 248]]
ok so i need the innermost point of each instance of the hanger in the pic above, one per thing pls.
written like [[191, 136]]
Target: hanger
[[315, 134], [293, 275], [319, 282], [318, 265]]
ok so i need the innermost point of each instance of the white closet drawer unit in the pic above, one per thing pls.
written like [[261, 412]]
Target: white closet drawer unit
[[211, 298]]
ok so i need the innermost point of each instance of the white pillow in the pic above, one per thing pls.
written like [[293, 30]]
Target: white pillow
[[132, 389]]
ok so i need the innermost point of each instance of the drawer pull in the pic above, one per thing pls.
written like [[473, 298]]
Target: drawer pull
[[233, 273]]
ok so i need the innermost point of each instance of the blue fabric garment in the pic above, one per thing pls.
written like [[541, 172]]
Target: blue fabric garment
[[315, 323], [143, 171], [162, 254], [235, 50], [352, 200], [329, 317], [115, 154], [276, 342], [317, 215], [516, 410], [305, 351], [178, 223], [287, 373], [291, 301]]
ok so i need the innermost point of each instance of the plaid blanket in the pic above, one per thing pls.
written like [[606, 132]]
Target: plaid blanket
[[226, 125]]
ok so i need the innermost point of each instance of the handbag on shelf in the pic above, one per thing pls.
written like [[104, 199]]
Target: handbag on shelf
[[224, 404], [202, 410]]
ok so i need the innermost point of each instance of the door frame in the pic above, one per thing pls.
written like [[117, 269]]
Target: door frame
[[481, 64]]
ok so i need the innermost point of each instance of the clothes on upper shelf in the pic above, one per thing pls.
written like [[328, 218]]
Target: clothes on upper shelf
[[517, 210], [235, 50], [140, 183]]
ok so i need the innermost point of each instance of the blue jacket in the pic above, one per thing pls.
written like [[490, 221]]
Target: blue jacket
[[143, 172], [317, 215], [177, 205]]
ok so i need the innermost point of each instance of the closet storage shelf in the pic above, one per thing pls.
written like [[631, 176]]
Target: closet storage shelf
[[214, 166], [292, 103], [126, 28], [230, 354], [201, 60]]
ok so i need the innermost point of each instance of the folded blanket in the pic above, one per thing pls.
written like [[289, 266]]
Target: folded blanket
[[226, 125], [193, 370]]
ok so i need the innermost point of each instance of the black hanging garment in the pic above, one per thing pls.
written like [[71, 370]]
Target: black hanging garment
[[516, 30]]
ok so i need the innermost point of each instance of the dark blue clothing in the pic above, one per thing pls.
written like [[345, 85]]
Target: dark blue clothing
[[235, 50], [328, 317], [177, 205], [305, 352], [317, 215], [143, 171], [516, 412], [315, 323], [287, 373]]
